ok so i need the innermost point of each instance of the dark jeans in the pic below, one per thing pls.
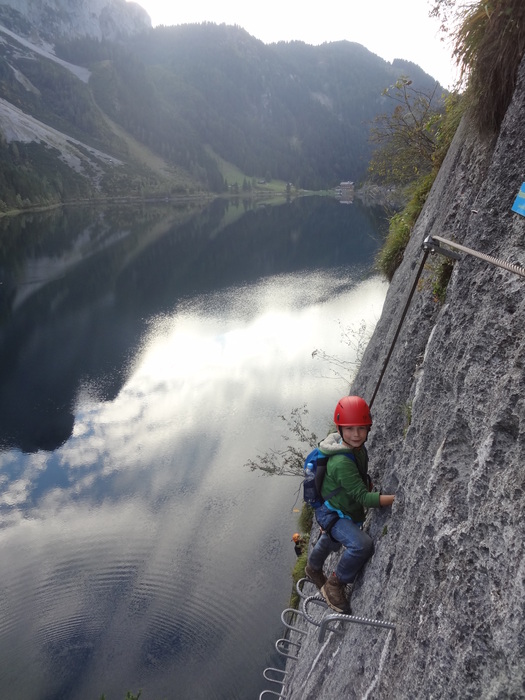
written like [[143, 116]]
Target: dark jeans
[[358, 546]]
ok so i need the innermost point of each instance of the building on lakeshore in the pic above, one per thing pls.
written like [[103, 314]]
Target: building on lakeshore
[[345, 192]]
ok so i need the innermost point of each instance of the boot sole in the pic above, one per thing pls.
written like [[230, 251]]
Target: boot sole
[[346, 610]]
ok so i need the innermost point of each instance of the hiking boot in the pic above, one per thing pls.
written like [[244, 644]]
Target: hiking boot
[[334, 592], [316, 576]]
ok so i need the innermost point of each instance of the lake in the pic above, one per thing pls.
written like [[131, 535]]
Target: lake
[[146, 355]]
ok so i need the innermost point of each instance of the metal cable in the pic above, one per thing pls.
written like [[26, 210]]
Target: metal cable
[[407, 304], [483, 256], [430, 247]]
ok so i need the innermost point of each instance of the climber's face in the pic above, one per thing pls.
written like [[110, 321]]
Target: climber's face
[[355, 435]]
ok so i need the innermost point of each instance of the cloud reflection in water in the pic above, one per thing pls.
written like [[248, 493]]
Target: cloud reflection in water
[[142, 553]]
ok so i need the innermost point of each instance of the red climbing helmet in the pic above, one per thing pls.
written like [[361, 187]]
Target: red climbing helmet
[[352, 410]]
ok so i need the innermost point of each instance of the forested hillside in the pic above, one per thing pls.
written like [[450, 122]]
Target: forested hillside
[[159, 112]]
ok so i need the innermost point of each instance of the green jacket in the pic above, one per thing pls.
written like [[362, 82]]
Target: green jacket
[[354, 497]]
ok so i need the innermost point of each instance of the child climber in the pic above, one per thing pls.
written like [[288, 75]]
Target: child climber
[[345, 488]]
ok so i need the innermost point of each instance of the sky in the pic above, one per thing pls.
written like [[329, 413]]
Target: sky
[[400, 29]]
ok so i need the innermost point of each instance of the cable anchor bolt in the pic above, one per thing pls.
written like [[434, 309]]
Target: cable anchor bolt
[[431, 246]]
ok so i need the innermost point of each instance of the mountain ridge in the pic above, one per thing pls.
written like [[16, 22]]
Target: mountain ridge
[[289, 111], [100, 19]]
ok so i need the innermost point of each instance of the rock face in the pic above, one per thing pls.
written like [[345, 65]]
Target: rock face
[[98, 19], [449, 564]]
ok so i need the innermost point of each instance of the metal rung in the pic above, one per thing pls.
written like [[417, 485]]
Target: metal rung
[[280, 694], [292, 611], [299, 587], [318, 600], [275, 670], [350, 618], [280, 642]]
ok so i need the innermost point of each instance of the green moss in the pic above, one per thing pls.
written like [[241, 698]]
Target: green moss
[[401, 225], [441, 279], [306, 518], [489, 47], [297, 574]]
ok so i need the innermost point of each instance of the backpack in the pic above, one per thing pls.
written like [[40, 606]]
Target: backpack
[[314, 472]]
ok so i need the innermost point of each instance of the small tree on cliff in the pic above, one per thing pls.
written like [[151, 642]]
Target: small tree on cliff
[[407, 137]]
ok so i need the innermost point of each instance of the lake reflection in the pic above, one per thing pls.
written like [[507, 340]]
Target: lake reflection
[[137, 549]]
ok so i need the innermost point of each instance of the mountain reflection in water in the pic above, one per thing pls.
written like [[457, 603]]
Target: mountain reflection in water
[[145, 356]]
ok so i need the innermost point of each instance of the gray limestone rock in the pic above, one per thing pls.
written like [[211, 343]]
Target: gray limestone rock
[[449, 564]]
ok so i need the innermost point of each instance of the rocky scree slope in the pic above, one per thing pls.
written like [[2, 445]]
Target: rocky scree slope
[[98, 19], [449, 564]]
